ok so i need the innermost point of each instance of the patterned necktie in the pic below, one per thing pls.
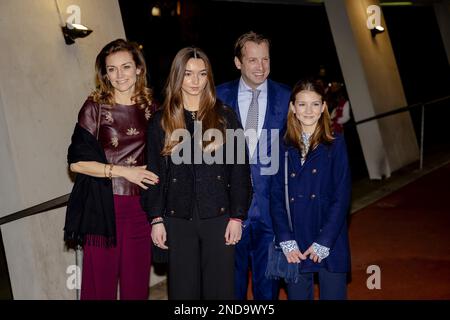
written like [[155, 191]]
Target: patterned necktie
[[252, 122]]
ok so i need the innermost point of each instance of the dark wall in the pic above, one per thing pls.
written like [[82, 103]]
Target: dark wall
[[419, 51], [301, 43], [301, 37], [301, 40], [423, 67]]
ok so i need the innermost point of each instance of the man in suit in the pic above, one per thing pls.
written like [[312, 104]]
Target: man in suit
[[261, 105]]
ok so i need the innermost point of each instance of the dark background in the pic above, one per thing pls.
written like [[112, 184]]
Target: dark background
[[300, 35], [301, 42]]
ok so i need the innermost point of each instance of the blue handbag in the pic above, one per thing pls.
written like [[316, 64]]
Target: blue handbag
[[277, 265]]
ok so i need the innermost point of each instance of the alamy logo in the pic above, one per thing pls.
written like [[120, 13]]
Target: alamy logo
[[374, 280], [74, 278], [236, 140], [75, 14], [374, 18]]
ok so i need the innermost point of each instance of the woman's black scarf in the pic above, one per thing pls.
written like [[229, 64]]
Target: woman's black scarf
[[90, 216]]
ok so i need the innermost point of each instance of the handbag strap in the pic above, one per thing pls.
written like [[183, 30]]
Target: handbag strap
[[286, 190], [98, 120]]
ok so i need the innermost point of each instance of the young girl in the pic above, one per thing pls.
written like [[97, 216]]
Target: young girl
[[318, 178], [201, 203]]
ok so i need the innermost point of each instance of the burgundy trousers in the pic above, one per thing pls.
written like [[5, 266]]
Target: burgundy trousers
[[127, 265]]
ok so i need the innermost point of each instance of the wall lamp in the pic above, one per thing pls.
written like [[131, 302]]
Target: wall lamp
[[72, 31], [376, 30]]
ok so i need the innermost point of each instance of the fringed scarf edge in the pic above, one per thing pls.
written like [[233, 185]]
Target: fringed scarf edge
[[75, 240]]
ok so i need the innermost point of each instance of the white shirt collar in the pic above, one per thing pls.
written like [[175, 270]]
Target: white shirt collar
[[245, 87]]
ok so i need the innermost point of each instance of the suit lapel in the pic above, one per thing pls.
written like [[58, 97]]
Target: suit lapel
[[271, 106], [233, 98], [273, 112]]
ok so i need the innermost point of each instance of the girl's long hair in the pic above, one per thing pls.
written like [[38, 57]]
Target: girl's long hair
[[173, 110], [104, 92], [322, 133]]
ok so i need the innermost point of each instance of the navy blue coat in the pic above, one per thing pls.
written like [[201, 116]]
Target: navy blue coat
[[277, 107], [319, 199]]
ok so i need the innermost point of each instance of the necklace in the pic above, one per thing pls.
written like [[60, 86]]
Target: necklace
[[193, 113]]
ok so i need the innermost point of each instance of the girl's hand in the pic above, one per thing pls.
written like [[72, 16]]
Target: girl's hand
[[159, 235], [233, 233], [295, 256], [314, 257]]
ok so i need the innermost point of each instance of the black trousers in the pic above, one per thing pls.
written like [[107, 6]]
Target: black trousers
[[201, 266]]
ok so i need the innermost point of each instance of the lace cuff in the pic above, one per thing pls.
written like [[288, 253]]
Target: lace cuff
[[321, 251], [288, 246]]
